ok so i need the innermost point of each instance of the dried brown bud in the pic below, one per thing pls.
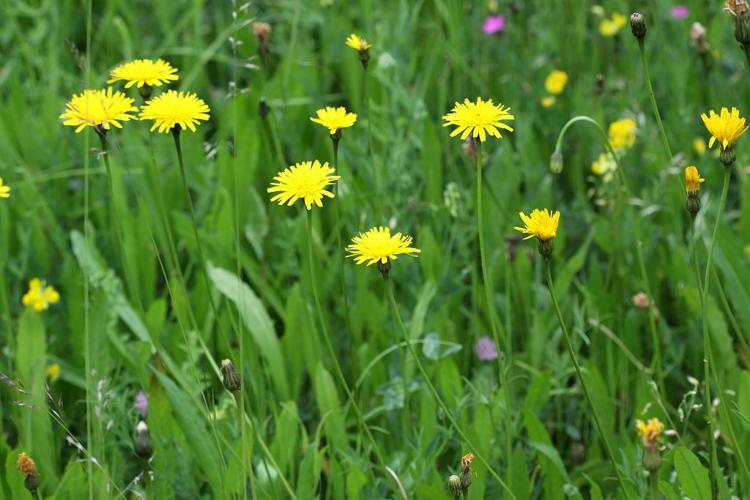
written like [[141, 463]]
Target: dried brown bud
[[262, 32], [640, 300], [231, 378], [699, 38], [27, 467]]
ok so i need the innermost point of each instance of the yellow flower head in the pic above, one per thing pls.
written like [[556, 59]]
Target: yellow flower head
[[540, 223], [98, 108], [306, 181], [26, 465], [144, 72], [466, 460], [53, 372], [359, 44], [172, 108], [610, 27], [40, 297], [334, 119], [725, 127], [693, 179], [378, 245], [622, 133], [650, 431], [4, 189], [555, 82], [478, 119], [548, 101]]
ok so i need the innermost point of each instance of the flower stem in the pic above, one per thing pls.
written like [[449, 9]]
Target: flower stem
[[433, 390], [339, 239], [574, 358], [709, 365], [655, 340], [487, 285], [375, 176], [201, 256], [329, 343], [652, 98]]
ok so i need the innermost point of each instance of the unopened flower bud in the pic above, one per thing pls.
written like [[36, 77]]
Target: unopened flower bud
[[699, 38], [232, 380], [651, 458], [638, 25], [142, 441], [741, 12], [454, 486], [693, 205], [262, 32], [556, 162], [640, 300], [263, 108]]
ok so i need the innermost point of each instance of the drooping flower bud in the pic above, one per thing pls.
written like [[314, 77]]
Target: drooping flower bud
[[556, 162]]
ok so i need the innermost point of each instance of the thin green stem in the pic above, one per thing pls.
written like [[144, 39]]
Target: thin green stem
[[373, 167], [577, 366], [656, 364], [653, 483], [86, 291], [433, 390], [652, 98], [339, 238], [488, 290], [329, 342]]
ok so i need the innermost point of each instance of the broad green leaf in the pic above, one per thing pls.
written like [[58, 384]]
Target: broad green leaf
[[692, 475]]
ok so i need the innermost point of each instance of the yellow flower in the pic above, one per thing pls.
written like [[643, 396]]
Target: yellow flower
[[378, 245], [693, 179], [4, 189], [555, 82], [40, 297], [466, 460], [53, 372], [334, 119], [726, 127], [650, 431], [172, 108], [548, 101], [699, 146], [144, 72], [98, 108], [478, 119], [622, 133], [610, 27], [307, 181], [540, 223], [357, 43], [604, 164]]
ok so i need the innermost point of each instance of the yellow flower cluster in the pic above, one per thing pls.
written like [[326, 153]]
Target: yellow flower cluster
[[622, 135], [170, 111], [611, 26], [4, 189], [40, 296]]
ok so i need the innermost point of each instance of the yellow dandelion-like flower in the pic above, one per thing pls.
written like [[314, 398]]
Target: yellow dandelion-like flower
[[610, 27], [693, 179], [334, 119], [555, 82], [725, 127], [650, 431], [548, 101], [306, 181], [357, 43], [4, 189], [53, 372], [144, 72], [540, 223], [622, 133], [98, 108], [378, 245], [40, 297], [171, 109], [478, 119]]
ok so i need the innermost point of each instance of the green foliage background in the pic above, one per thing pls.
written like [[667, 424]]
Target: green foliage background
[[150, 318]]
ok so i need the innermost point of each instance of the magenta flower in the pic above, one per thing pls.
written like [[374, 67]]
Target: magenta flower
[[494, 24], [485, 349], [680, 12], [141, 404]]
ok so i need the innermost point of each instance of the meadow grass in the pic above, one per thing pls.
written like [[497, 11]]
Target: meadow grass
[[169, 256]]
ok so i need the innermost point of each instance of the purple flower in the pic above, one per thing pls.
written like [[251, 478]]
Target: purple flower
[[494, 24], [680, 12], [141, 404], [485, 349]]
